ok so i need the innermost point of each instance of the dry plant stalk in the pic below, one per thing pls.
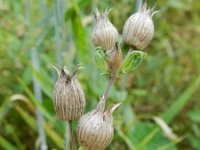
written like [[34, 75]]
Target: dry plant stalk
[[95, 128]]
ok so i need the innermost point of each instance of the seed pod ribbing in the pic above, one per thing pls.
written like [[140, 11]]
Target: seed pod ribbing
[[139, 28], [69, 98], [104, 35], [95, 129]]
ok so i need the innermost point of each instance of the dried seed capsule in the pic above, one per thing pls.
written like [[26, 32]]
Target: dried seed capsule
[[115, 59], [95, 129], [69, 98], [104, 35], [139, 28]]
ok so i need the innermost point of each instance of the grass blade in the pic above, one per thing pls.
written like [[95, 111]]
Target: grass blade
[[32, 123], [6, 144], [125, 138], [11, 132], [172, 111], [179, 103], [34, 100]]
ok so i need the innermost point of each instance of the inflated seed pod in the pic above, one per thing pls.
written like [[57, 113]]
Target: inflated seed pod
[[139, 28], [115, 59], [95, 129], [104, 35], [69, 98]]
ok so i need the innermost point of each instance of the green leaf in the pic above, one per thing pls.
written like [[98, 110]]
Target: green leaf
[[6, 144], [125, 138], [44, 81], [101, 60], [195, 115], [27, 118], [171, 144], [42, 77], [31, 121], [69, 13], [180, 102], [78, 32], [171, 112], [81, 148], [27, 75], [132, 61], [5, 108], [10, 130], [195, 142], [84, 3], [140, 130], [34, 100]]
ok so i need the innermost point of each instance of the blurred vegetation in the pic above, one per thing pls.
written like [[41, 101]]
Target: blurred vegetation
[[166, 84]]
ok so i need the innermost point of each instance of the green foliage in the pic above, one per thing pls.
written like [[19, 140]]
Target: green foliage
[[165, 84], [195, 115], [81, 148], [132, 60], [100, 59], [6, 144]]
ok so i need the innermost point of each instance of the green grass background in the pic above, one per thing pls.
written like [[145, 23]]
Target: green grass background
[[166, 84]]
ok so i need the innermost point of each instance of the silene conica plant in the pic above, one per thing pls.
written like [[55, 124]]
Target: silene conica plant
[[95, 128]]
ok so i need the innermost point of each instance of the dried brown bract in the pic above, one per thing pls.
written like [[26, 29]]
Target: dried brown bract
[[115, 59]]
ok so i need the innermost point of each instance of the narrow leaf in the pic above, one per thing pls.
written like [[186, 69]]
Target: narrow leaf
[[32, 123], [125, 138], [172, 111], [78, 31], [34, 100], [195, 115], [6, 144]]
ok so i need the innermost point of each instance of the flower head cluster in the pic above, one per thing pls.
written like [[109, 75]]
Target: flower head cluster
[[95, 128]]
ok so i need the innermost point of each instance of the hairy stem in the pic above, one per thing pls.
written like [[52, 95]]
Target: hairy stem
[[72, 137], [108, 87]]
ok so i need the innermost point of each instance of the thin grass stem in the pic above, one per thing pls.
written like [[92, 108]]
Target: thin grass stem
[[38, 95]]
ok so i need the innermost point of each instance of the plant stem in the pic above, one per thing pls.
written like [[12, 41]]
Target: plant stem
[[138, 4], [108, 87], [57, 33], [72, 137], [67, 137]]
